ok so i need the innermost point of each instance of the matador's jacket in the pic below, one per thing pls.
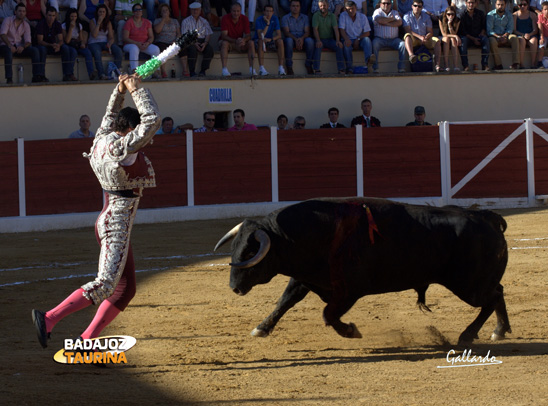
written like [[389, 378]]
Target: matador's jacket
[[123, 171]]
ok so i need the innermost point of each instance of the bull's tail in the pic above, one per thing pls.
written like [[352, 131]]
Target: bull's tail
[[496, 220]]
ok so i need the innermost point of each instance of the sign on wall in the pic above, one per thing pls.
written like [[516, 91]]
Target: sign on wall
[[220, 95]]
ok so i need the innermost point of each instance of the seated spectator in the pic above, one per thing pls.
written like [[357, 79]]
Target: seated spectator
[[63, 3], [435, 9], [73, 33], [420, 115], [355, 31], [386, 26], [472, 31], [50, 41], [403, 7], [333, 114], [36, 11], [7, 9], [299, 123], [239, 122], [236, 35], [167, 30], [418, 29], [88, 8], [123, 12], [296, 30], [101, 38], [543, 29], [281, 121], [333, 6], [269, 38], [366, 119], [16, 40], [202, 45], [449, 28], [304, 6], [83, 131], [138, 37], [526, 29], [500, 28], [209, 123], [326, 35]]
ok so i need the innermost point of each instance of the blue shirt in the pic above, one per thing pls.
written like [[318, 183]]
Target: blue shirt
[[260, 24], [418, 25], [354, 28], [499, 25], [296, 25]]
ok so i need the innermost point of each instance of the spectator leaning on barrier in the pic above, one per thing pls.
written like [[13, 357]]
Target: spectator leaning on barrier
[[281, 121], [202, 45], [420, 115], [209, 123], [50, 41], [239, 122], [16, 40], [333, 114], [355, 31], [83, 131], [296, 29], [366, 119], [299, 123], [500, 28], [326, 35], [386, 27]]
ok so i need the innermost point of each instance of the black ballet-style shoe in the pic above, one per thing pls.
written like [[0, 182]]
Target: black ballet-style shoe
[[39, 321]]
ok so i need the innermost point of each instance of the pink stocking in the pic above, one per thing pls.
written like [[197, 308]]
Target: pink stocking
[[76, 301], [104, 316]]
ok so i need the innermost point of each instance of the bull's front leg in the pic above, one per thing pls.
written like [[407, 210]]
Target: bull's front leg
[[293, 294], [332, 314]]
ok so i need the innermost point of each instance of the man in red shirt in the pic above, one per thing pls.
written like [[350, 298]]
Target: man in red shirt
[[235, 34], [239, 122]]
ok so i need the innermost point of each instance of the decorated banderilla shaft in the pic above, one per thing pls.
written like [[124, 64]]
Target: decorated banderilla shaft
[[149, 67]]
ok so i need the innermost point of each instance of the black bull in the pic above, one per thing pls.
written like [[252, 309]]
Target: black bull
[[343, 249]]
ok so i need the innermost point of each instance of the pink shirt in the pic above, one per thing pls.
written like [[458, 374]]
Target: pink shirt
[[246, 127], [139, 34], [543, 22], [17, 36]]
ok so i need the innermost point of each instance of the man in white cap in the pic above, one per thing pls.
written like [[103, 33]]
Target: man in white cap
[[200, 24]]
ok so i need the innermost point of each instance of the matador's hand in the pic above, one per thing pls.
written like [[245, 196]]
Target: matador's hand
[[122, 82]]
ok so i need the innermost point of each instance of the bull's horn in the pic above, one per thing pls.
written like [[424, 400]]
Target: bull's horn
[[264, 239], [231, 234]]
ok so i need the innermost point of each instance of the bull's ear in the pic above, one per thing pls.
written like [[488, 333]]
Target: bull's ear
[[228, 236]]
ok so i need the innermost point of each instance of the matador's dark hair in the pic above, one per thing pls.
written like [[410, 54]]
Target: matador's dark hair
[[127, 118]]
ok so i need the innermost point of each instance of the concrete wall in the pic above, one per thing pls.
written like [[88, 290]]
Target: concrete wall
[[52, 111]]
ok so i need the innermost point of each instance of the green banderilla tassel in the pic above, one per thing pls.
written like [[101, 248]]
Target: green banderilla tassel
[[148, 68]]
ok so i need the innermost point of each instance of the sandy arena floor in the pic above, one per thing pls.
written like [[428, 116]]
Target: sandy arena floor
[[194, 347]]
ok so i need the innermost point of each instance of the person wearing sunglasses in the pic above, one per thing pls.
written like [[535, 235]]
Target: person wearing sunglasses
[[449, 28], [418, 31], [472, 31], [526, 28], [299, 123], [209, 123], [500, 28], [386, 23]]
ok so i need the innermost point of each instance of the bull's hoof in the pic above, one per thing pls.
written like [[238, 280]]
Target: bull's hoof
[[259, 333], [497, 337], [353, 331]]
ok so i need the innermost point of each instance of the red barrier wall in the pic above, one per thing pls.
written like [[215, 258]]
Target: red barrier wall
[[505, 176], [9, 187], [232, 167], [314, 163], [168, 156], [541, 162], [59, 179], [401, 162]]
